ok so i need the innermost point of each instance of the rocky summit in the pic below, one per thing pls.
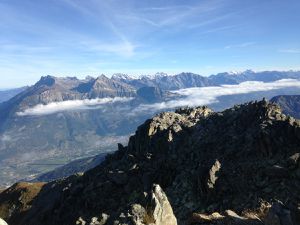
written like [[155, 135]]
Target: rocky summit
[[191, 166]]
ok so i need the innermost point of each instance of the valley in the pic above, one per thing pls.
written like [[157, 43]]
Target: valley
[[59, 120], [154, 112]]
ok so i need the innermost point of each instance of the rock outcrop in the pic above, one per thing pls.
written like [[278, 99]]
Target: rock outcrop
[[2, 222], [160, 208], [239, 166], [157, 211]]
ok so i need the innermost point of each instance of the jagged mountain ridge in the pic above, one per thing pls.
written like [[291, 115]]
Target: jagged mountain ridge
[[200, 158], [62, 137], [290, 105], [52, 89], [249, 75], [187, 80], [73, 134]]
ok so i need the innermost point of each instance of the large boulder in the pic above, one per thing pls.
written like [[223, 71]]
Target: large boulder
[[161, 208], [158, 210], [2, 222]]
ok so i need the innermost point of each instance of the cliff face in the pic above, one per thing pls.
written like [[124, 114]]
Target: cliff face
[[242, 163]]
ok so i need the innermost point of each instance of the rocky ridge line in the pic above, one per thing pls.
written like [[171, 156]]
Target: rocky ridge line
[[239, 166]]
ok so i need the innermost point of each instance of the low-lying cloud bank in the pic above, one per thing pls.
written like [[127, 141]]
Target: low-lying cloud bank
[[71, 105], [208, 95], [186, 97]]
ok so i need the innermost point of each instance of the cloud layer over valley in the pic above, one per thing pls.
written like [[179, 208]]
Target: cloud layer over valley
[[209, 95], [185, 97], [71, 105]]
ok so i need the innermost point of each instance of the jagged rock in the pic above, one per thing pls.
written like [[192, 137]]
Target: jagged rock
[[294, 160], [229, 218], [233, 214], [213, 174], [99, 221], [161, 209], [204, 218], [2, 222], [138, 214], [80, 221], [157, 211], [103, 219], [243, 153]]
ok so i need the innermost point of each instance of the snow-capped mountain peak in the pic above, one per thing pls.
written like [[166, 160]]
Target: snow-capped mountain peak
[[121, 76]]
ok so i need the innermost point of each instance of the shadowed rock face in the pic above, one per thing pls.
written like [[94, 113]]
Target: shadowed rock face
[[238, 162]]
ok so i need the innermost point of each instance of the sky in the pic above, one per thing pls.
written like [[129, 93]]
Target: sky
[[93, 37]]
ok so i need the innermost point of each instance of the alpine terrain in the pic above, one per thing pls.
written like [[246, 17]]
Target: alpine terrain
[[191, 166], [59, 120]]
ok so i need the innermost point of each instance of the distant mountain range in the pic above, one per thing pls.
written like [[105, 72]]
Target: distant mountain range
[[58, 120]]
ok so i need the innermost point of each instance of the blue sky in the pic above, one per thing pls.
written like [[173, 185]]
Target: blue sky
[[91, 37]]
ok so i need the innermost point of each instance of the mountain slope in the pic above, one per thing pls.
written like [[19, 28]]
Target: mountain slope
[[165, 82], [39, 131], [9, 93], [36, 143], [76, 166], [187, 80], [290, 104], [200, 159]]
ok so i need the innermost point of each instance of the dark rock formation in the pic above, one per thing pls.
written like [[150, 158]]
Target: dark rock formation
[[240, 163]]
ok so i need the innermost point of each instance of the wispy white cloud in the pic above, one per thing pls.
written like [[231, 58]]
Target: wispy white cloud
[[217, 29], [24, 48], [71, 105], [208, 95], [242, 45], [124, 49], [180, 17], [208, 21], [168, 8], [290, 50], [105, 15]]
